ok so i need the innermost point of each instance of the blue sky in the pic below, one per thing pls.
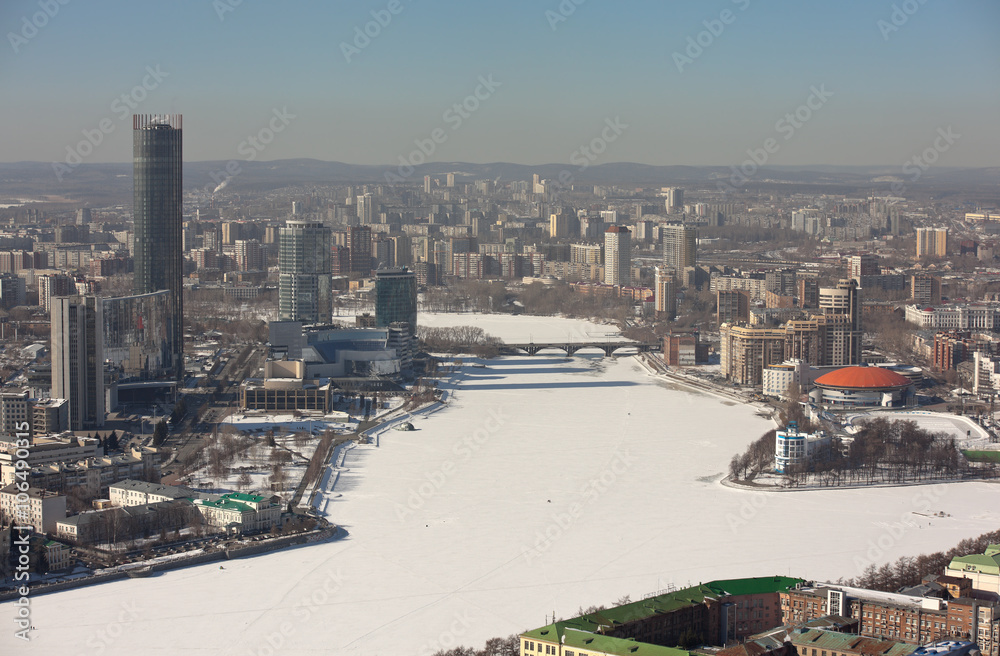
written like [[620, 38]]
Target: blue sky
[[888, 91]]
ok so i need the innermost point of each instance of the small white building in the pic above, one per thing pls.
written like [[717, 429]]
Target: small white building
[[777, 377], [794, 448]]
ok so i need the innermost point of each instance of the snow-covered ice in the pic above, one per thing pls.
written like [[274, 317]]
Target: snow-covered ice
[[545, 484], [520, 329]]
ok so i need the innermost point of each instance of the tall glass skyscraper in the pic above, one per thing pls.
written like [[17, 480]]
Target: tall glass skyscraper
[[305, 289], [396, 297], [157, 210]]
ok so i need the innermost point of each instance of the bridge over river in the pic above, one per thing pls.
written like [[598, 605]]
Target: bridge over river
[[609, 348]]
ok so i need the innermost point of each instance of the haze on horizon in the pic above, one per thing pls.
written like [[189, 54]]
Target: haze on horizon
[[696, 84]]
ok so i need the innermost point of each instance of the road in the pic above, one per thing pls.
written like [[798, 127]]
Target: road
[[205, 413]]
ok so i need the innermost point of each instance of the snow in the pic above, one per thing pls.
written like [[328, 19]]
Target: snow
[[544, 484], [967, 433], [519, 329]]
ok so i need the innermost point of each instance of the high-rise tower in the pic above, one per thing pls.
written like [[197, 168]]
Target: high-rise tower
[[304, 276], [396, 297], [680, 247], [157, 210], [78, 358], [617, 256]]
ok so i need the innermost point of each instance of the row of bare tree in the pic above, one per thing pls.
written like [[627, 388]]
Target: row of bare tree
[[459, 339], [884, 451], [910, 570]]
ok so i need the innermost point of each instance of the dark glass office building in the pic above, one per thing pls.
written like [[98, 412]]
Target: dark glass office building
[[396, 297], [158, 250]]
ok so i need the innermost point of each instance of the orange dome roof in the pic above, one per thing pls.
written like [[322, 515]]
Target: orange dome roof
[[862, 378]]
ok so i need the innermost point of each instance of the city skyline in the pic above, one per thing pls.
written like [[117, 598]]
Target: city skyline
[[702, 85]]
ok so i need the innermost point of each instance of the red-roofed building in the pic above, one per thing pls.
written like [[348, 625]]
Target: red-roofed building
[[863, 386]]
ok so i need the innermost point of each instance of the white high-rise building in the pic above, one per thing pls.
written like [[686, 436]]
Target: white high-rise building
[[617, 256], [364, 206], [674, 199]]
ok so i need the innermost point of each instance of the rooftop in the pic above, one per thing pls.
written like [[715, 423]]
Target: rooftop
[[862, 378], [610, 618], [984, 563], [226, 504], [849, 642]]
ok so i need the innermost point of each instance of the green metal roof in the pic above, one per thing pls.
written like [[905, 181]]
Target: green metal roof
[[241, 496], [623, 646], [660, 604], [983, 563], [760, 585], [227, 504], [837, 641]]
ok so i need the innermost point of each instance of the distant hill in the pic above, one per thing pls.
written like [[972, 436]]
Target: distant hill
[[97, 182]]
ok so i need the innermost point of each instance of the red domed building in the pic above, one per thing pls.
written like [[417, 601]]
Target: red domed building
[[863, 386]]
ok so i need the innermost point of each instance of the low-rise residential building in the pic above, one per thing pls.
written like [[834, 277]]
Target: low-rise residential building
[[140, 493], [20, 413], [40, 509], [51, 449], [93, 475]]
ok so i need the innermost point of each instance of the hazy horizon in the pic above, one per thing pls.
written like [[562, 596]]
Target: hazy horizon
[[701, 84]]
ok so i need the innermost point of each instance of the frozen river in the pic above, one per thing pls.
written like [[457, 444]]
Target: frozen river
[[545, 484]]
